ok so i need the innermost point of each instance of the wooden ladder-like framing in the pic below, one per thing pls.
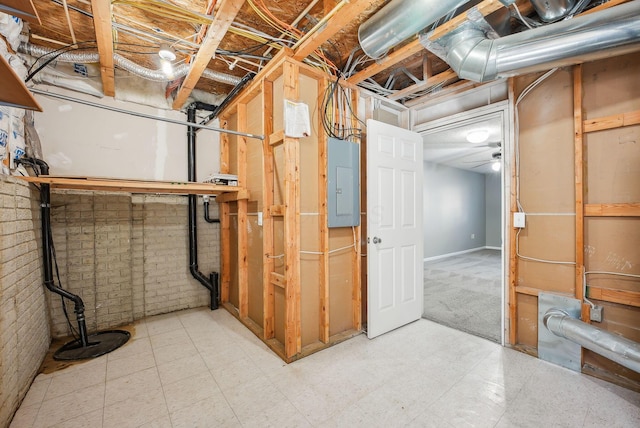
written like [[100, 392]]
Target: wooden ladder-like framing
[[290, 211]]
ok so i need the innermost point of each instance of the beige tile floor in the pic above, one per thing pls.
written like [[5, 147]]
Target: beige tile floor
[[199, 368]]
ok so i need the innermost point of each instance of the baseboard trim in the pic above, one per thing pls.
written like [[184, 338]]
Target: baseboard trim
[[457, 253]]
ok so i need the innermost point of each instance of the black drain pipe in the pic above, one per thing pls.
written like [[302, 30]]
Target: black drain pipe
[[47, 249], [211, 283]]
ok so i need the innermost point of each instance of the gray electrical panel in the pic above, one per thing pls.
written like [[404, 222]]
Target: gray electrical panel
[[343, 183]]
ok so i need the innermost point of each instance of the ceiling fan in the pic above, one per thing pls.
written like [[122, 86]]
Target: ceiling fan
[[494, 161]]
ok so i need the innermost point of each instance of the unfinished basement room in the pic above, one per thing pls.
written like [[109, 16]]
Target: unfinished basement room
[[319, 213]]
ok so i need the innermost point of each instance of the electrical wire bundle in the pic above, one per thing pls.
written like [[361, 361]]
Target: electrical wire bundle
[[338, 118]]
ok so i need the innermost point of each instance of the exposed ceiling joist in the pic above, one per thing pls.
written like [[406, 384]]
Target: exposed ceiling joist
[[19, 8], [101, 10], [436, 80], [388, 61], [335, 22], [485, 8], [224, 16]]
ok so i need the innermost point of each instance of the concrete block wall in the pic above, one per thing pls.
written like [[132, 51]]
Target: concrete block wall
[[127, 256], [24, 320]]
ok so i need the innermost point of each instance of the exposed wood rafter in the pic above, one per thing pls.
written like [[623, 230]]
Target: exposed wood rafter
[[335, 22], [104, 37], [224, 16]]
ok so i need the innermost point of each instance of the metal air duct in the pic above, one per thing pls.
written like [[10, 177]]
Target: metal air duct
[[474, 56], [85, 57], [552, 10], [616, 348], [399, 20]]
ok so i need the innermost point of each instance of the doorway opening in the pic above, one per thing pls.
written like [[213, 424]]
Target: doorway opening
[[464, 228]]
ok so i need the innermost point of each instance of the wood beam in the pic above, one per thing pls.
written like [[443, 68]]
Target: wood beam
[[101, 10], [331, 24], [292, 333], [388, 61], [612, 210], [612, 122], [485, 8], [438, 79], [578, 179], [623, 297], [224, 16]]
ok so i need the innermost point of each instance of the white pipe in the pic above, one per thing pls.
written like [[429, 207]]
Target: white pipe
[[616, 348]]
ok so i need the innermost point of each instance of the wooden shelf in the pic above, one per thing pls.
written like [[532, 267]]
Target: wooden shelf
[[139, 186], [14, 92]]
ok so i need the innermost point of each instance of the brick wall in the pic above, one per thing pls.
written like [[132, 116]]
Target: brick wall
[[127, 256], [24, 324]]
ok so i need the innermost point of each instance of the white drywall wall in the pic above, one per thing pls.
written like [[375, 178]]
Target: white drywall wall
[[88, 141]]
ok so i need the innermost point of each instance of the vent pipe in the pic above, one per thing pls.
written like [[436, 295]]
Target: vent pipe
[[85, 57], [616, 348], [473, 56], [399, 20], [552, 10]]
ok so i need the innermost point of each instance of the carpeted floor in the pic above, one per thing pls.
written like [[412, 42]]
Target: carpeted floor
[[463, 292]]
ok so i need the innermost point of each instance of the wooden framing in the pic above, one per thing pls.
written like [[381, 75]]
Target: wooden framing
[[584, 208], [14, 91], [225, 14], [514, 289], [138, 186], [579, 193], [293, 292], [102, 24]]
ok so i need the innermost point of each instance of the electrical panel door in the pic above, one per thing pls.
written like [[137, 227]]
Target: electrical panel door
[[343, 182]]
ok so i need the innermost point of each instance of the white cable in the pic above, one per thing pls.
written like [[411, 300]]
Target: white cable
[[515, 6], [596, 272], [534, 259]]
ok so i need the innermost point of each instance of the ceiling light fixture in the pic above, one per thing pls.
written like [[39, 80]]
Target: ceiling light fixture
[[495, 166], [166, 53], [167, 67], [478, 136]]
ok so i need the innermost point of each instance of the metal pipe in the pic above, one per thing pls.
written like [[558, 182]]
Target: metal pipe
[[85, 57], [146, 116], [616, 348], [399, 20], [615, 31], [552, 10]]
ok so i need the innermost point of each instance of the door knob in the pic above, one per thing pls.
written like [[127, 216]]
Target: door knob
[[376, 240]]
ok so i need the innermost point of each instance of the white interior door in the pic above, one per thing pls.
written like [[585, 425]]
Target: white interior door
[[394, 227]]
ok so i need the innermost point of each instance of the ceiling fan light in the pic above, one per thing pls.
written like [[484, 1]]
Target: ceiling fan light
[[495, 166], [478, 136], [166, 53]]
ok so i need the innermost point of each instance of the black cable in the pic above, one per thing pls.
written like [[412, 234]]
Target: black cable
[[57, 53]]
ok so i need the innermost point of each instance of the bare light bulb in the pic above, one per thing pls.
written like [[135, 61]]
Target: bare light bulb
[[495, 166], [166, 53]]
